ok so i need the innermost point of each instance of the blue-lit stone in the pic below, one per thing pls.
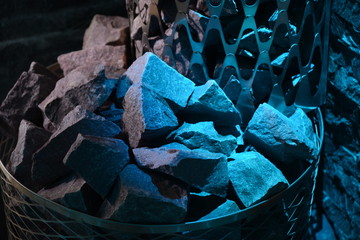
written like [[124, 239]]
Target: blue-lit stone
[[113, 114], [233, 88], [203, 135], [254, 177], [227, 208]]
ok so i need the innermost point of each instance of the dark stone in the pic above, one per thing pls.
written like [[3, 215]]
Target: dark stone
[[30, 139], [229, 8], [280, 61], [113, 114], [278, 137], [137, 198], [233, 88], [84, 87], [30, 89], [97, 160], [185, 165], [106, 30], [147, 116], [198, 24], [262, 86], [255, 178], [121, 90], [113, 57], [175, 145], [227, 208], [209, 103], [248, 41], [203, 135], [48, 160], [150, 72]]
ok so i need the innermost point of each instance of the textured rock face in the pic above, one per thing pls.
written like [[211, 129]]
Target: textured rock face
[[146, 116], [98, 161], [84, 87], [160, 201], [30, 89], [106, 30], [232, 89], [202, 169], [113, 57], [203, 135], [30, 139], [48, 160], [227, 208], [254, 177], [279, 137]]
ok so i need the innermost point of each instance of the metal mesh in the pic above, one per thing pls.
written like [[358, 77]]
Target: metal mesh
[[284, 216], [247, 44]]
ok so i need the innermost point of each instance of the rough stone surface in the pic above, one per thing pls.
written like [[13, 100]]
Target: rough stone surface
[[30, 139], [106, 30], [227, 208], [278, 137], [185, 165], [203, 135], [113, 114], [114, 57], [97, 160], [146, 116], [249, 43], [85, 86], [232, 89], [121, 90], [140, 198], [151, 72], [209, 103], [48, 160], [254, 177], [198, 23], [73, 192], [30, 89]]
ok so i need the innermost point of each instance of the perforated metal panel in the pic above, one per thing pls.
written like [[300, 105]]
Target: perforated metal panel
[[277, 49]]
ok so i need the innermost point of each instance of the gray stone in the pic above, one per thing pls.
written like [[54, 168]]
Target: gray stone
[[140, 198], [85, 86], [203, 135], [30, 139], [233, 88], [227, 208], [73, 192], [150, 72], [30, 89], [106, 30], [147, 116], [97, 160], [114, 57], [255, 178], [185, 165], [209, 103], [48, 160], [277, 137]]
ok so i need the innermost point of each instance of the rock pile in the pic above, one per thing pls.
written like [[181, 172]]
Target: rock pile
[[144, 144]]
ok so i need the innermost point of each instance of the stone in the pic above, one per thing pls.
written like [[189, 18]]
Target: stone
[[113, 114], [175, 145], [84, 86], [146, 116], [209, 103], [137, 198], [232, 89], [229, 8], [249, 43], [48, 160], [29, 90], [204, 136], [30, 139], [73, 192], [114, 57], [198, 24], [185, 164], [97, 160], [278, 137], [262, 86], [255, 178], [227, 208], [136, 29], [106, 30], [154, 74], [121, 90], [280, 61]]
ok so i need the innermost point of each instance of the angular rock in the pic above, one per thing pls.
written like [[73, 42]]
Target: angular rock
[[185, 164], [113, 57], [198, 24], [97, 160], [248, 41], [113, 114], [139, 198], [233, 88], [280, 61], [157, 76], [175, 145], [227, 208], [121, 90], [262, 86], [209, 103], [146, 116], [84, 86], [30, 139], [73, 192], [203, 135], [30, 89], [106, 30], [48, 160], [254, 177], [277, 137]]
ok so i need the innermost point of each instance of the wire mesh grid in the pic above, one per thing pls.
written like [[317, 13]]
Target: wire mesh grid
[[30, 216]]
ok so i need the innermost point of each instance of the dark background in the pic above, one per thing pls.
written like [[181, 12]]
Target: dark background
[[41, 30]]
